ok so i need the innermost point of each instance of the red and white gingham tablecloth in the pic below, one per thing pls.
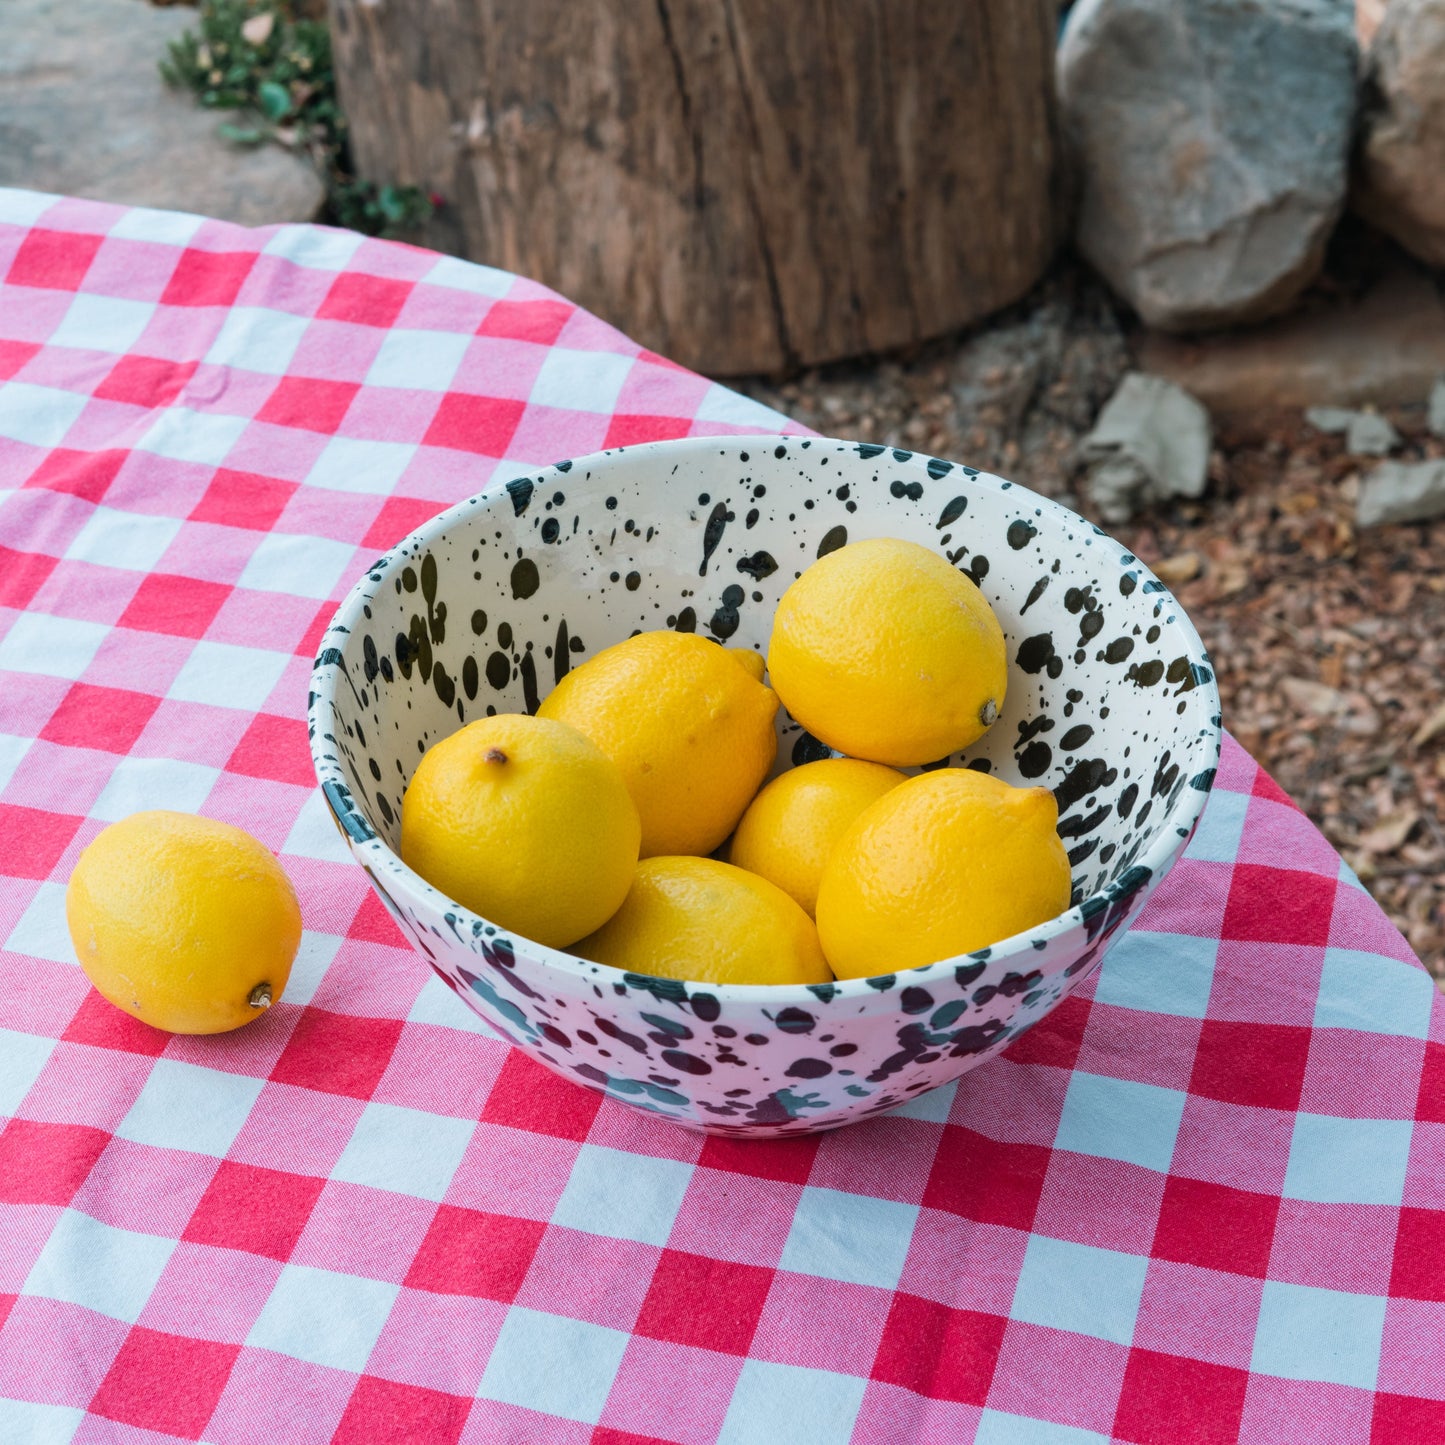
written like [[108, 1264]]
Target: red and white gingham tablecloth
[[1203, 1201]]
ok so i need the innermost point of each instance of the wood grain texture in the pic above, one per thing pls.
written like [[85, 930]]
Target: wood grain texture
[[741, 185]]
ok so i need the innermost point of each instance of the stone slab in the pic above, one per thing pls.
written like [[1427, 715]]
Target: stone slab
[[1385, 349], [84, 112]]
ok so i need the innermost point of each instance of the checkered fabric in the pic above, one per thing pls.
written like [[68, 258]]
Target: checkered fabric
[[1202, 1201]]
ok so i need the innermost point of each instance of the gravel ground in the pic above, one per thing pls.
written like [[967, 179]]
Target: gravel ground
[[1327, 643]]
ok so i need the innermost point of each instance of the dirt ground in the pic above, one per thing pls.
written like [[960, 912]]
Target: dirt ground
[[1327, 642]]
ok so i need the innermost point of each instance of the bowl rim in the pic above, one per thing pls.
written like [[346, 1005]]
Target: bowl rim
[[1172, 836]]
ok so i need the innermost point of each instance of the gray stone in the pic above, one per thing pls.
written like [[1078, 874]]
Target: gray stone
[[1370, 435], [84, 112], [1212, 141], [1366, 433], [1330, 419], [1150, 442], [1401, 492], [1437, 407], [1402, 149]]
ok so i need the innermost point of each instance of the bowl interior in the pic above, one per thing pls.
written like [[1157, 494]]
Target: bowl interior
[[1110, 700]]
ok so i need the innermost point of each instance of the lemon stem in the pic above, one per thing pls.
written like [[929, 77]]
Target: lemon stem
[[260, 996], [494, 755]]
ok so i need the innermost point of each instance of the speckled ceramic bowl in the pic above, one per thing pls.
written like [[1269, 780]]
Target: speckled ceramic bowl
[[1111, 703]]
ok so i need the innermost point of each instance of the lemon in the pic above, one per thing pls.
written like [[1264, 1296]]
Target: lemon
[[791, 827], [186, 923], [524, 821], [708, 922], [943, 864], [753, 662], [884, 651], [687, 722]]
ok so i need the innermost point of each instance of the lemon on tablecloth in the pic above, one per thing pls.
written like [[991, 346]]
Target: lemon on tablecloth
[[186, 923]]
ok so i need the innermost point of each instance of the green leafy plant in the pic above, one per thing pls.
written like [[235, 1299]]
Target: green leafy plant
[[274, 69]]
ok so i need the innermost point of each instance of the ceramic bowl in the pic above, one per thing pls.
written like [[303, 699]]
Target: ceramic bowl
[[1111, 703]]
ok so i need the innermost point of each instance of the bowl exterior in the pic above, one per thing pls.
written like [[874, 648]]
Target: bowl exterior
[[405, 658], [719, 1060]]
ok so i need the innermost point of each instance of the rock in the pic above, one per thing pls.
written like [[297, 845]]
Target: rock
[[1151, 442], [1401, 492], [1332, 419], [1402, 146], [1366, 433], [1370, 435], [1385, 348], [1437, 407], [84, 112], [1212, 140]]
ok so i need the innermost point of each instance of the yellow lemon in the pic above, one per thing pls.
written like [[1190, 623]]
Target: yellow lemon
[[884, 651], [524, 821], [791, 827], [708, 922], [687, 722], [941, 865], [188, 924], [753, 662]]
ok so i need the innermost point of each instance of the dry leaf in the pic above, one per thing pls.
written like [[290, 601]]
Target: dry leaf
[[1432, 727], [1313, 697], [1362, 720], [1391, 831], [257, 30], [1332, 670], [1350, 710], [1363, 865], [1181, 567], [1231, 579]]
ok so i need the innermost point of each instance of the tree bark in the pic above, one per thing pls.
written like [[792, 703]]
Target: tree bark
[[741, 185]]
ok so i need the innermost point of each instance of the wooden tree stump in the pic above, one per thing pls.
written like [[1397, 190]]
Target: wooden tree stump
[[742, 185]]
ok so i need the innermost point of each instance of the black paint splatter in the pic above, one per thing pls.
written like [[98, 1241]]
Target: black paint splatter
[[758, 566], [520, 492], [712, 534], [525, 580], [1035, 759], [562, 652], [724, 622]]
